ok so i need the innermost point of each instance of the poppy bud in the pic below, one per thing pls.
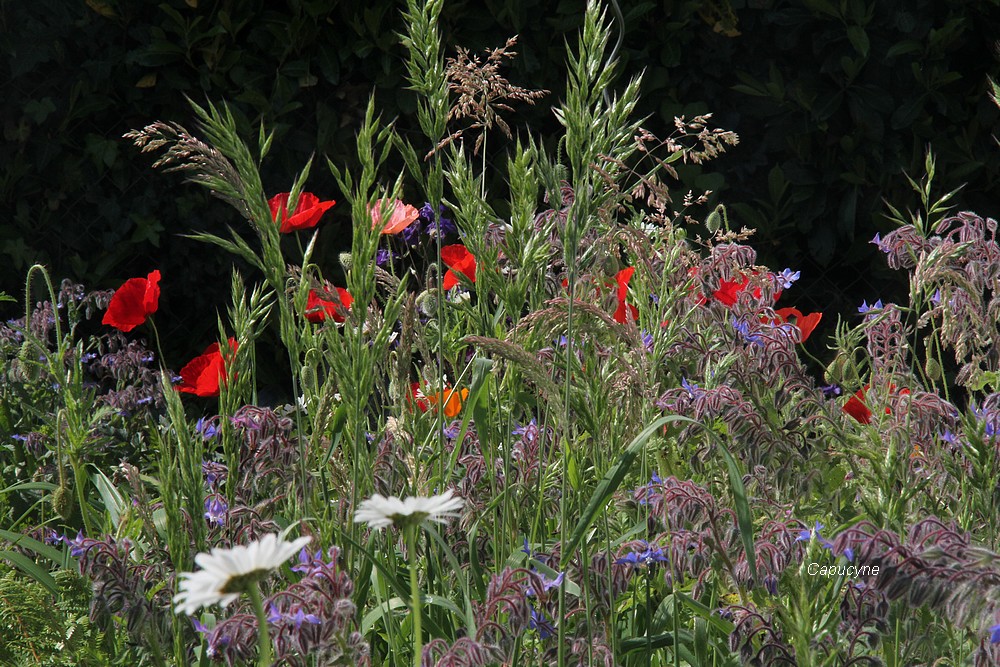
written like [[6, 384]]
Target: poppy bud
[[346, 260], [933, 369], [427, 302], [62, 502]]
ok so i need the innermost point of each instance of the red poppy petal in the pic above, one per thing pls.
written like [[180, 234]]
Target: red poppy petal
[[151, 299], [808, 323], [127, 310]]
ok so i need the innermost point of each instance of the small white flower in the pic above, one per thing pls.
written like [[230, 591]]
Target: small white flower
[[225, 573], [379, 511]]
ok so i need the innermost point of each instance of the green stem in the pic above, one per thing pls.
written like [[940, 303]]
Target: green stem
[[264, 650], [411, 539]]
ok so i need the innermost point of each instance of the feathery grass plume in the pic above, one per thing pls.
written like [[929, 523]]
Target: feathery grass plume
[[482, 92]]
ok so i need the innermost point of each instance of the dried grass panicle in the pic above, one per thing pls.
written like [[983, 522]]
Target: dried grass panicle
[[204, 163], [483, 92]]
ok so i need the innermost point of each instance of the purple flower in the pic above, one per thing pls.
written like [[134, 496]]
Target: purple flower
[[787, 277], [936, 297], [547, 584], [646, 555], [849, 554], [808, 534], [650, 492], [743, 329], [830, 390], [542, 625], [526, 549], [198, 627], [76, 546], [994, 634], [215, 510], [300, 617], [206, 428], [451, 431], [877, 240], [647, 340], [864, 307], [273, 614], [693, 390], [383, 257], [444, 226], [529, 431]]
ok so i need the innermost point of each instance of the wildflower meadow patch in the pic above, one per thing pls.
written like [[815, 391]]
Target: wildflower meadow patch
[[571, 423]]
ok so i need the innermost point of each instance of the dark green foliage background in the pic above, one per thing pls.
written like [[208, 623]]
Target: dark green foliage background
[[833, 100]]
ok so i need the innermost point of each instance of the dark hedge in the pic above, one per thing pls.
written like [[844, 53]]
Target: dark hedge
[[833, 100]]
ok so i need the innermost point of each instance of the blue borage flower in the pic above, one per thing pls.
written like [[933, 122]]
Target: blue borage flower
[[808, 534], [882, 245], [743, 329], [864, 307], [528, 431], [645, 555], [994, 634], [693, 389], [542, 625], [830, 390], [206, 428], [787, 277], [648, 493], [216, 510]]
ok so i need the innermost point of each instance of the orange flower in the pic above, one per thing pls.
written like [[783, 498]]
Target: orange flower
[[806, 324], [403, 215], [452, 399]]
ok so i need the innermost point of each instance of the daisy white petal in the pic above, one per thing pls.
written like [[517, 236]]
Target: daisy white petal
[[380, 512], [225, 573]]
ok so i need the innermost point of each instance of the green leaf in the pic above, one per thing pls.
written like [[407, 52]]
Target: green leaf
[[609, 484], [31, 568], [859, 40], [40, 548]]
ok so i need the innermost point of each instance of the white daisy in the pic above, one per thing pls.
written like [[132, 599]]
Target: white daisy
[[225, 573], [379, 511]]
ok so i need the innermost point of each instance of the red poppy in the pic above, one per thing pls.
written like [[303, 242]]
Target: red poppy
[[805, 323], [318, 309], [308, 211], [458, 258], [729, 290], [203, 375], [418, 397], [856, 407], [402, 216], [625, 311], [133, 302]]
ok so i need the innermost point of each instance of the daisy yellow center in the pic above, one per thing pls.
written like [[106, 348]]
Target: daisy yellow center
[[239, 583]]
